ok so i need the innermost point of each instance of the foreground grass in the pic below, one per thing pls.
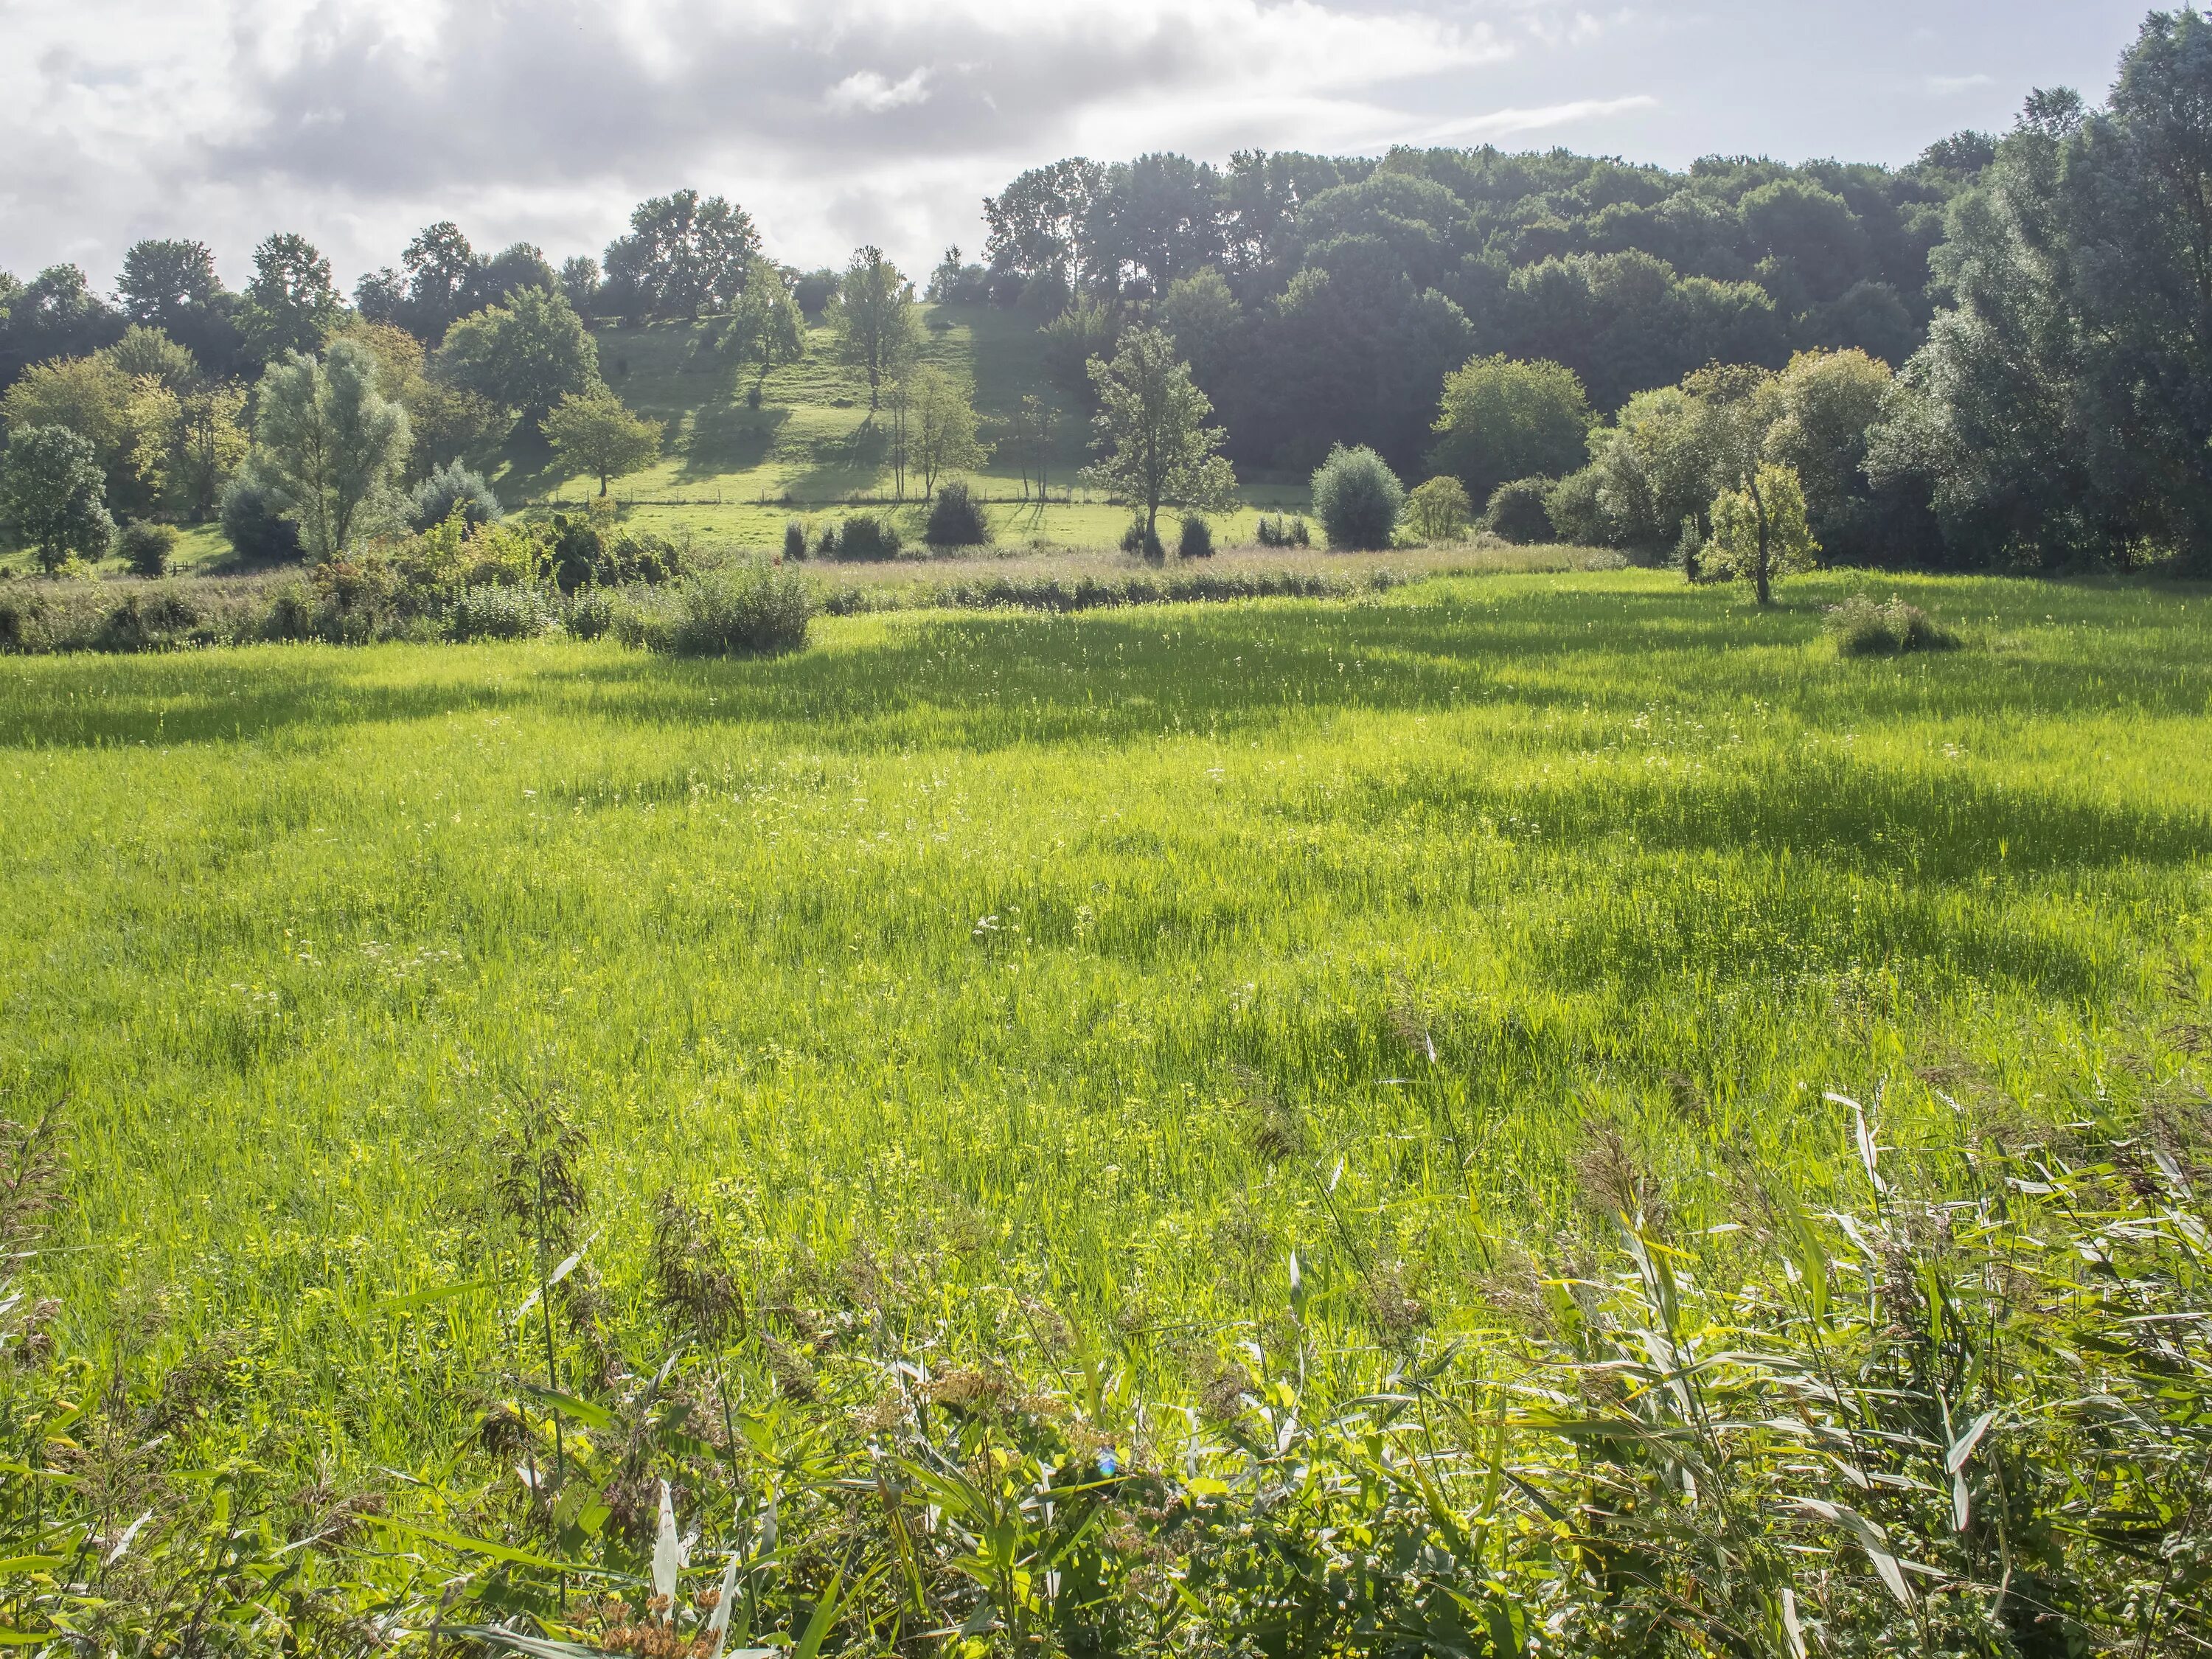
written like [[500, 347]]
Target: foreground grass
[[1002, 956]]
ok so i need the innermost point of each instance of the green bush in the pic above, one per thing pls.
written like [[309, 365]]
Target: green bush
[[502, 613], [1577, 513], [864, 536], [1280, 532], [146, 547], [454, 488], [1516, 512], [1439, 511], [794, 540], [753, 609], [957, 520], [1196, 541], [154, 620], [590, 613], [1358, 499], [1147, 546], [1861, 628], [251, 523]]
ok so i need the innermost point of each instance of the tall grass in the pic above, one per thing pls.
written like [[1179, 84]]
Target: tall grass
[[1008, 998]]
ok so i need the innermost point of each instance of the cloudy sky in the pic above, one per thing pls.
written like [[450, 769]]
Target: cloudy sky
[[842, 121]]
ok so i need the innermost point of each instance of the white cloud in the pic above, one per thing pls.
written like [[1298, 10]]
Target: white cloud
[[869, 92], [1504, 122], [1949, 86]]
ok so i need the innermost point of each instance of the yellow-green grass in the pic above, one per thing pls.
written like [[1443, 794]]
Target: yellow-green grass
[[968, 941], [727, 470]]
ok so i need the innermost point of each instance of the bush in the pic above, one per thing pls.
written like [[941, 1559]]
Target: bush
[[1281, 533], [753, 609], [1134, 540], [1861, 628], [956, 520], [147, 548], [826, 544], [1196, 541], [151, 620], [1358, 499], [794, 540], [1575, 512], [1439, 511], [1517, 511], [867, 536], [590, 613], [452, 486], [251, 523], [587, 549], [502, 613]]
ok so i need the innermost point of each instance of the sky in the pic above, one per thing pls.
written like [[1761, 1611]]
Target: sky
[[840, 122]]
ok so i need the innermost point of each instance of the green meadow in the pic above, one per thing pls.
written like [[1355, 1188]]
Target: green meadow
[[1011, 953]]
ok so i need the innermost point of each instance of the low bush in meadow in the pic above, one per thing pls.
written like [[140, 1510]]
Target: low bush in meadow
[[1862, 627], [750, 608]]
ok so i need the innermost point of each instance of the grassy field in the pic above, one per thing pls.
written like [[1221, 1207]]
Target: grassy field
[[1033, 986], [959, 940]]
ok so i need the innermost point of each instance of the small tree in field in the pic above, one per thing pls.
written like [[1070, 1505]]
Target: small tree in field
[[1760, 531], [53, 494], [327, 443], [1439, 510], [943, 427], [595, 434], [877, 323], [1156, 448]]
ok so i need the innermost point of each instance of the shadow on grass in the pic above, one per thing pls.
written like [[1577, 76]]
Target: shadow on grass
[[728, 437]]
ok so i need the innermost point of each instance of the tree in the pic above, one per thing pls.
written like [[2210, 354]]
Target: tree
[[173, 286], [449, 421], [525, 356], [53, 493], [146, 353], [1503, 420], [206, 448], [875, 320], [1439, 511], [89, 395], [765, 326], [1086, 330], [1200, 312], [1032, 431], [944, 427], [1154, 446], [56, 314], [327, 445], [685, 256], [291, 303], [580, 283], [594, 433], [1358, 499], [1759, 529]]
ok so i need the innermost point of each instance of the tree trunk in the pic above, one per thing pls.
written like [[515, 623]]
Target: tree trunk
[[1761, 569]]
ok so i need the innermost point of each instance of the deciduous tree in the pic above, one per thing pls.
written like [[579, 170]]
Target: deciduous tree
[[1154, 446], [877, 323], [327, 444], [51, 491], [594, 433]]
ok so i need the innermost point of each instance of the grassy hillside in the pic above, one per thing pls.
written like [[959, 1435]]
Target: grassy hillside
[[735, 473]]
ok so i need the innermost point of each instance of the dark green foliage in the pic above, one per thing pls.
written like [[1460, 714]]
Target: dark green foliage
[[589, 548], [52, 496], [1146, 544], [1196, 540], [503, 613], [750, 608], [1575, 511], [455, 486], [146, 548], [1516, 512], [956, 518], [158, 619], [1358, 499], [1861, 628], [1278, 531], [257, 532], [865, 536], [794, 540]]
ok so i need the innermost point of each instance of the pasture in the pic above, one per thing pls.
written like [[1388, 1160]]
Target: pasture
[[1032, 979]]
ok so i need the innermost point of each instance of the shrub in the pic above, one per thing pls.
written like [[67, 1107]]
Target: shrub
[[590, 613], [752, 609], [957, 520], [826, 544], [1439, 511], [252, 525], [502, 613], [1196, 541], [1134, 540], [1517, 511], [147, 548], [867, 536], [1577, 513], [150, 621], [1358, 499], [454, 486], [1861, 628], [794, 540], [584, 548]]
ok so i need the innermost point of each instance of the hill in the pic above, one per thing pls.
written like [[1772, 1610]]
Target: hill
[[737, 474]]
